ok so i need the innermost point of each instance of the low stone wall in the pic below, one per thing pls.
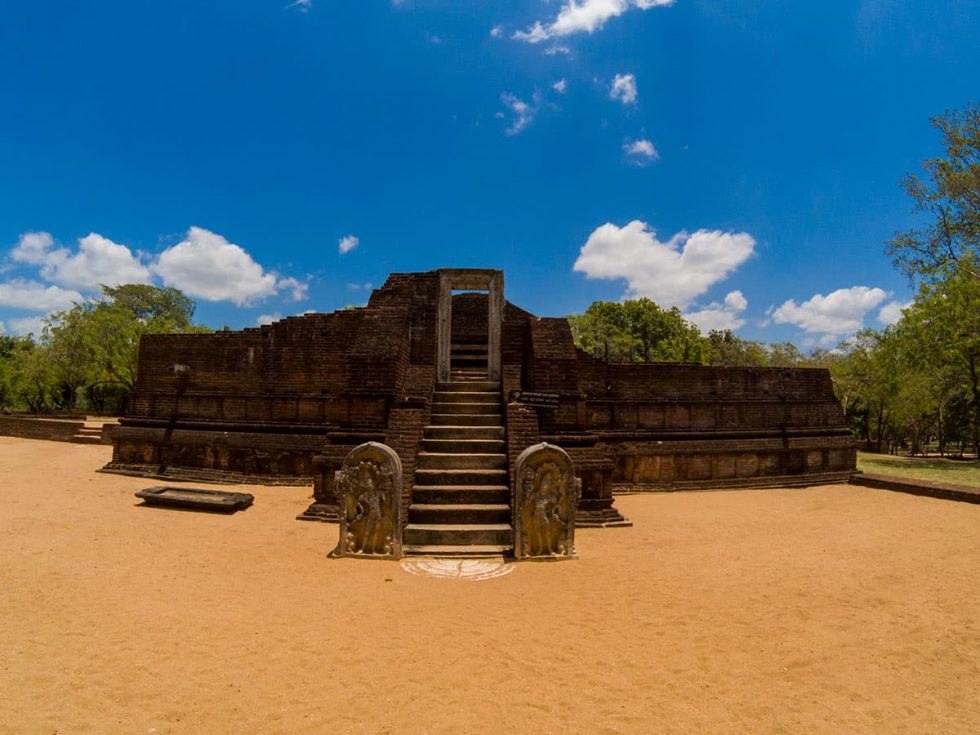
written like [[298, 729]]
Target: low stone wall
[[939, 490], [35, 427]]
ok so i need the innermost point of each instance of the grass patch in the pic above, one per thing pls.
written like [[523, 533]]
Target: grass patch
[[934, 469]]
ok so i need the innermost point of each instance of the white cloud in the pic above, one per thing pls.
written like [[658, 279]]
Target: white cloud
[[496, 31], [32, 247], [838, 313], [623, 89], [892, 311], [522, 114], [298, 289], [22, 326], [672, 273], [346, 244], [268, 319], [557, 49], [722, 316], [98, 261], [359, 286], [560, 86], [205, 265], [22, 294], [640, 152], [578, 16], [302, 6]]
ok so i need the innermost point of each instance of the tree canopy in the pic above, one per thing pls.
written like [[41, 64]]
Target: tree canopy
[[949, 196], [637, 330]]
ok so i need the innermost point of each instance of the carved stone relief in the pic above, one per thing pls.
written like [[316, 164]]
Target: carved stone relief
[[369, 491], [546, 498]]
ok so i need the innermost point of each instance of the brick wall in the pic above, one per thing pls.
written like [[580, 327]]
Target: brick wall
[[267, 401], [665, 425]]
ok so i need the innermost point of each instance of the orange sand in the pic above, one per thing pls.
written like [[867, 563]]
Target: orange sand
[[830, 609]]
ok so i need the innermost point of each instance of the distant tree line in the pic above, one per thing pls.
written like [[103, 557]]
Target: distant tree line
[[638, 330]]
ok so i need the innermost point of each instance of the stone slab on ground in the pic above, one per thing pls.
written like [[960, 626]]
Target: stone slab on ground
[[192, 498], [939, 490]]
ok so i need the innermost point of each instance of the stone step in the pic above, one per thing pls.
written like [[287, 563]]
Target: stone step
[[86, 439], [469, 396], [469, 344], [448, 461], [476, 551], [465, 419], [457, 445], [460, 477], [442, 407], [453, 513], [460, 494], [464, 432], [458, 534], [470, 386]]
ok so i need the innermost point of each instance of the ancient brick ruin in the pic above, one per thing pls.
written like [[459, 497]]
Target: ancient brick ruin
[[459, 385]]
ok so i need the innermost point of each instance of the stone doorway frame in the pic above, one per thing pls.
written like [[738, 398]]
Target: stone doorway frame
[[470, 279]]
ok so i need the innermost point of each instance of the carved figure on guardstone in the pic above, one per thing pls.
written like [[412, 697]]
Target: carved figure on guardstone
[[546, 498], [369, 490]]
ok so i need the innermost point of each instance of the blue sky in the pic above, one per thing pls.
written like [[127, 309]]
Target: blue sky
[[739, 160]]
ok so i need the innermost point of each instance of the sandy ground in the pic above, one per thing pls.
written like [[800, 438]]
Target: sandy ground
[[830, 609]]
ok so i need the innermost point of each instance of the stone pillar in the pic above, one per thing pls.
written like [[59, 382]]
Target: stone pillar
[[546, 495], [494, 322], [369, 488], [444, 327]]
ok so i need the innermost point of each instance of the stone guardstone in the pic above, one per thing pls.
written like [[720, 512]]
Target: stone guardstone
[[369, 492], [546, 498]]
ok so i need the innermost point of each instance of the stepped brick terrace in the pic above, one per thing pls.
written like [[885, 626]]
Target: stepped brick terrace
[[459, 385]]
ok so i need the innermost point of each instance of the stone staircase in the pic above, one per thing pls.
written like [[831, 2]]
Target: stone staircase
[[468, 357], [90, 432], [461, 498]]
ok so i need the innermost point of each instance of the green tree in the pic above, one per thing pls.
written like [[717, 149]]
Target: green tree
[[95, 345], [9, 390], [637, 330], [868, 378], [785, 354], [724, 348], [944, 327], [31, 383], [949, 195]]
